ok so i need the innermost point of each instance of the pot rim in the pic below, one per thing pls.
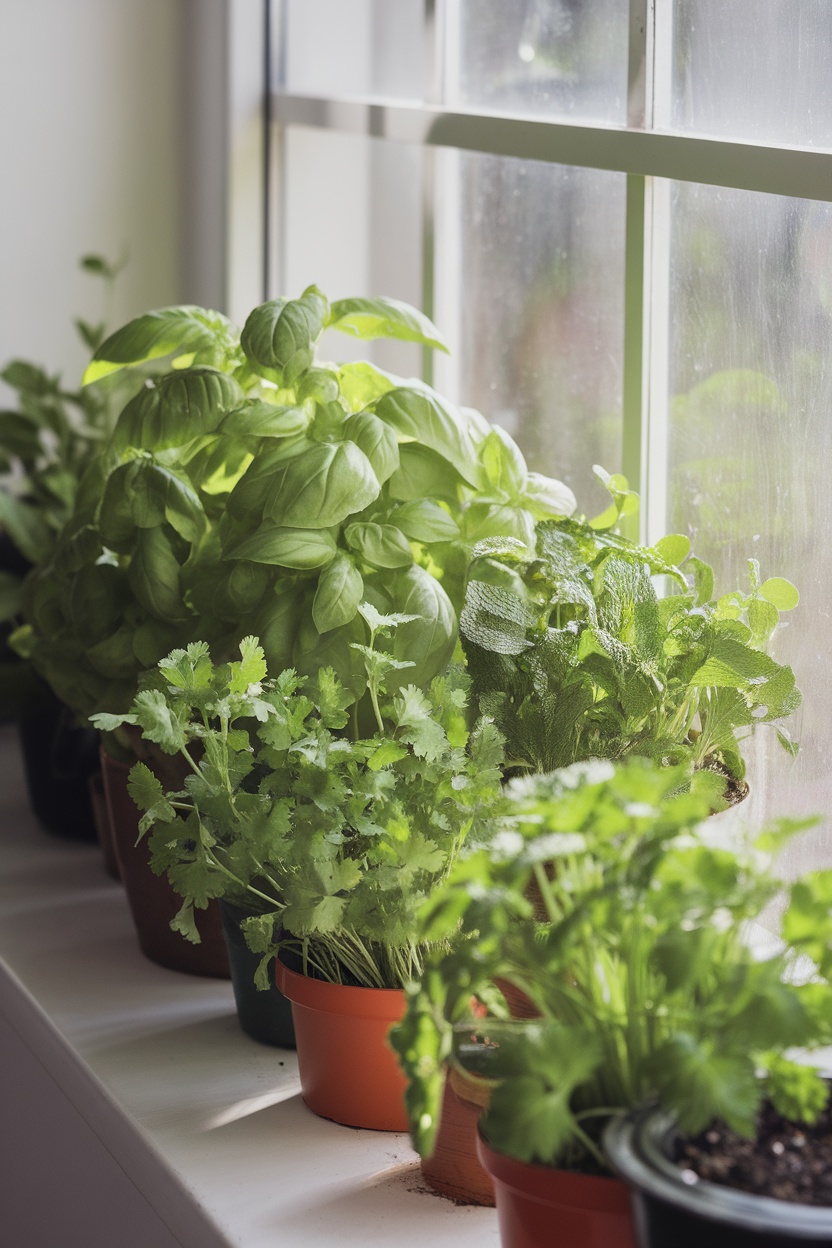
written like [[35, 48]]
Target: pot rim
[[386, 1004], [637, 1148]]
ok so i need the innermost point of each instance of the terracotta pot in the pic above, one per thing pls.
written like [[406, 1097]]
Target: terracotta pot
[[519, 1005], [153, 903], [101, 816], [454, 1169], [542, 1207], [348, 1072], [266, 1016]]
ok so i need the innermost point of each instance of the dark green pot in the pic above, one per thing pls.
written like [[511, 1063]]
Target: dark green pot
[[265, 1016]]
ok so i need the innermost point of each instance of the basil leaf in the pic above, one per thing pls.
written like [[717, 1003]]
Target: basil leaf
[[154, 576], [503, 462], [322, 486], [424, 474], [384, 318], [427, 641], [382, 545], [424, 417], [94, 602], [258, 419], [176, 409], [249, 495], [282, 333], [114, 657], [155, 494], [378, 442], [181, 330], [287, 547], [276, 623], [546, 497], [424, 521], [318, 384], [332, 649], [361, 382], [240, 591], [340, 589]]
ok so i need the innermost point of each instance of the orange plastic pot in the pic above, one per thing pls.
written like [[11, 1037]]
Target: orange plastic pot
[[541, 1207], [348, 1072]]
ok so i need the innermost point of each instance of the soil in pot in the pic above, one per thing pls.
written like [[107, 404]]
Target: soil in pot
[[348, 1072], [58, 758], [454, 1168], [266, 1016], [153, 903], [786, 1161], [675, 1208], [543, 1207]]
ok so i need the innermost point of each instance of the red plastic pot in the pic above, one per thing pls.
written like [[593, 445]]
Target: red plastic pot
[[153, 903], [541, 1207], [348, 1072], [454, 1169]]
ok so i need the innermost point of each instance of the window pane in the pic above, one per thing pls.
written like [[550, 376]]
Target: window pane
[[544, 57], [541, 257], [750, 438], [350, 48], [352, 226], [754, 71]]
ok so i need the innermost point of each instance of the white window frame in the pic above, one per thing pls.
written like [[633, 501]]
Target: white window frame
[[645, 150]]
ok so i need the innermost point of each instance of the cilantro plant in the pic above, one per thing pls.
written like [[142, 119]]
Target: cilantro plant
[[641, 973], [253, 488], [575, 655], [290, 812]]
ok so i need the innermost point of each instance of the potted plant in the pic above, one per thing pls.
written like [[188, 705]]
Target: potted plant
[[575, 654], [645, 986], [47, 441], [337, 834], [250, 487]]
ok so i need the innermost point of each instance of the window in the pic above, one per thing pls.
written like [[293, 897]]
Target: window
[[619, 213]]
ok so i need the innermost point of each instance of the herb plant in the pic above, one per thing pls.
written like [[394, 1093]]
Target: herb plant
[[47, 441], [252, 488], [645, 984], [293, 814], [575, 655]]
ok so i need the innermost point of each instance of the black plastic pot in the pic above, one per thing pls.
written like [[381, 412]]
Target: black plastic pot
[[673, 1210], [265, 1016], [58, 759]]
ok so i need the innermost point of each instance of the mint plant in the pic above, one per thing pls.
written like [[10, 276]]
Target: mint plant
[[575, 655], [250, 487], [641, 969], [290, 812]]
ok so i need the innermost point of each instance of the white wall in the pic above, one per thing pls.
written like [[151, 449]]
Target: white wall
[[90, 142]]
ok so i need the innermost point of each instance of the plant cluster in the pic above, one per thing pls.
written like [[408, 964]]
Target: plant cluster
[[290, 812], [46, 445], [249, 488], [575, 655], [641, 971]]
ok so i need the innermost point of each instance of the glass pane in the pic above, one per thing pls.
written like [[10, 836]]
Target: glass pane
[[352, 226], [754, 71], [751, 443], [541, 311], [349, 48], [542, 57]]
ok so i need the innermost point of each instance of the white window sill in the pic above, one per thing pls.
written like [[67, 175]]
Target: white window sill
[[206, 1124]]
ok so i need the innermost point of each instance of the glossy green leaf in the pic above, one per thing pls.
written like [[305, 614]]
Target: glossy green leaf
[[382, 545], [545, 497], [504, 463], [322, 486], [176, 409], [249, 496], [423, 416], [340, 590], [426, 522], [286, 547], [780, 593], [258, 419], [361, 383], [378, 442], [428, 640], [114, 657], [674, 548], [281, 334], [167, 331], [424, 474], [154, 576], [384, 318]]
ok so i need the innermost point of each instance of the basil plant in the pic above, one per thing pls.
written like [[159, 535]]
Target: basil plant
[[251, 487]]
